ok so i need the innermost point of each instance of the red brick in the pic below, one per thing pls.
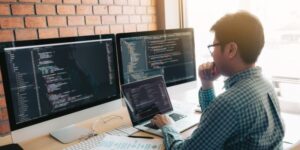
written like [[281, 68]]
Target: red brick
[[146, 2], [122, 19], [152, 26], [142, 27], [4, 128], [8, 0], [56, 21], [6, 35], [120, 2], [141, 10], [1, 90], [100, 10], [116, 28], [2, 102], [52, 1], [12, 22], [84, 10], [108, 20], [3, 114], [67, 32], [48, 33], [151, 10], [35, 22], [65, 9], [4, 9], [115, 10], [89, 1], [130, 28], [135, 19], [22, 9], [92, 20], [45, 9], [134, 2], [86, 31], [146, 19], [128, 10], [102, 30], [106, 2], [26, 34], [72, 1], [75, 20], [31, 1]]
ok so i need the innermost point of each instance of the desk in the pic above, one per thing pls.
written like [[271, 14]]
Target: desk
[[292, 123]]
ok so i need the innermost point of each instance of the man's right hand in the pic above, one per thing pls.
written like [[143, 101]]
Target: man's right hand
[[208, 73]]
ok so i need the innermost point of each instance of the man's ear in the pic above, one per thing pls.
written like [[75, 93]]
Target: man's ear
[[231, 49]]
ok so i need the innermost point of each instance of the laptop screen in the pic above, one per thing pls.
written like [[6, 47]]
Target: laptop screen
[[146, 98]]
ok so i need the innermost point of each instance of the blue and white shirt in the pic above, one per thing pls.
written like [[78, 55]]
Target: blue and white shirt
[[245, 116]]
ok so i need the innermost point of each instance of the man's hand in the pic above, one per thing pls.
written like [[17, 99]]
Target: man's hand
[[208, 72], [161, 120]]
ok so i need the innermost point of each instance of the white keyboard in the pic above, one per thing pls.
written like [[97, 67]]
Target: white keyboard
[[96, 140]]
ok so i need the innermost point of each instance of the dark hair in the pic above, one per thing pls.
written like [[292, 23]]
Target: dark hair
[[245, 30]]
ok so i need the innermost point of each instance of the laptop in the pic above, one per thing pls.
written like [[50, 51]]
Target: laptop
[[146, 98]]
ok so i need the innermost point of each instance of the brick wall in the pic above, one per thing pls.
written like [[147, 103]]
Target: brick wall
[[4, 125], [42, 19]]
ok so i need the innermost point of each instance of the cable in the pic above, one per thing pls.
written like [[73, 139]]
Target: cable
[[104, 120]]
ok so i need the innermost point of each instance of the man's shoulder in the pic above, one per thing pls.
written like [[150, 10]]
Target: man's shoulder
[[246, 89], [239, 96]]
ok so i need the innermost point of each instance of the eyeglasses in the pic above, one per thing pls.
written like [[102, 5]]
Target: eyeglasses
[[211, 47]]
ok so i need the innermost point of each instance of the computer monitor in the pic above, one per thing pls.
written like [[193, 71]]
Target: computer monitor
[[46, 81], [170, 53]]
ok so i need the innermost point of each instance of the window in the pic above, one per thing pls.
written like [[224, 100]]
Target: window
[[281, 20]]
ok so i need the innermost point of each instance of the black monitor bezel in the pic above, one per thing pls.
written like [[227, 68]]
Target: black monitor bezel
[[149, 33], [5, 78]]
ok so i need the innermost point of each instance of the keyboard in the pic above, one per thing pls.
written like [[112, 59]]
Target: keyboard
[[150, 125], [96, 140], [176, 116]]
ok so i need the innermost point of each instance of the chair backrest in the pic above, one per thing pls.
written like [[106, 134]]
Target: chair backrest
[[287, 89]]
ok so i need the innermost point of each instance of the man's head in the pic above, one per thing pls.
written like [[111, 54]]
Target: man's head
[[241, 36]]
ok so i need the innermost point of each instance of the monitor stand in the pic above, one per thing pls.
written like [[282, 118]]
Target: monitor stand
[[70, 134]]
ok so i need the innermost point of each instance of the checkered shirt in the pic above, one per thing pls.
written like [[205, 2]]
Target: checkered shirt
[[246, 116]]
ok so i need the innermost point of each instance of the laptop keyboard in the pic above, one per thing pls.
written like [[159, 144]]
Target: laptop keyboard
[[152, 126], [174, 116]]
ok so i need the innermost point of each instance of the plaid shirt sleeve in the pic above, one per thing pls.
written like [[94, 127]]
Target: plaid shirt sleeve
[[206, 97], [208, 135], [171, 137]]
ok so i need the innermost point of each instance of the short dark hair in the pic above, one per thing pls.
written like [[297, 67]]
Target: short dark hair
[[245, 30]]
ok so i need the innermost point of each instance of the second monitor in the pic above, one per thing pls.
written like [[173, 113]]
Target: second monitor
[[170, 53]]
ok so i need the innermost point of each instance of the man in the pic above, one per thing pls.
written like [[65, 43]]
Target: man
[[246, 115]]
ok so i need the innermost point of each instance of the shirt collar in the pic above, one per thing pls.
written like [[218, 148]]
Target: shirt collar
[[253, 71]]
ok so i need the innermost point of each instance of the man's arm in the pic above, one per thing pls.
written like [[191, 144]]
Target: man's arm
[[206, 97], [207, 73], [218, 123], [172, 139]]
